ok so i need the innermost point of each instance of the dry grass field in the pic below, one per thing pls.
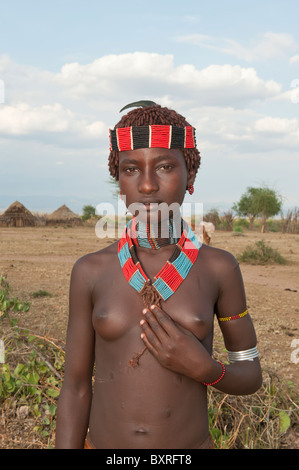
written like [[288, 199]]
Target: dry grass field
[[41, 258]]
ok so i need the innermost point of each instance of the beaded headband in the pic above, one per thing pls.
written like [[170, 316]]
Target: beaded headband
[[137, 137]]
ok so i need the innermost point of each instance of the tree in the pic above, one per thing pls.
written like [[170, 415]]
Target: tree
[[263, 202], [88, 212], [212, 216], [247, 206]]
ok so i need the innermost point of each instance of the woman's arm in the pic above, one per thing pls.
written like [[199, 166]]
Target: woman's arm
[[241, 377], [185, 354], [75, 397]]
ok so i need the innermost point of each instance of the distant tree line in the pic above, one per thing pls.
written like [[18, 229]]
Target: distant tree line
[[261, 202]]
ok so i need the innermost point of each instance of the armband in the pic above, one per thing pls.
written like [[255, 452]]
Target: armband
[[234, 317], [220, 378], [247, 355]]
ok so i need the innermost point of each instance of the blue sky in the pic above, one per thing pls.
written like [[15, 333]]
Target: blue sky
[[67, 67]]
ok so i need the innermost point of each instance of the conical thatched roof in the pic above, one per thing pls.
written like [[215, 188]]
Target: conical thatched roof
[[63, 215], [17, 216]]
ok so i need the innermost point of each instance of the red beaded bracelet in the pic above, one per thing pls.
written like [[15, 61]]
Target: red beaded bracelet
[[220, 378]]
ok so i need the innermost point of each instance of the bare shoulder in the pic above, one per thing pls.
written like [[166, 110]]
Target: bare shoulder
[[92, 264], [217, 260]]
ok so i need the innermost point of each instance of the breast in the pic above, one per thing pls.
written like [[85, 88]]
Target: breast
[[111, 324], [195, 316], [198, 323], [116, 315], [117, 320]]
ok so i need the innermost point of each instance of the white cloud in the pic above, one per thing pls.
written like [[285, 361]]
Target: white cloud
[[294, 59], [277, 125], [131, 74], [26, 84], [110, 77], [2, 92], [103, 73], [240, 133], [216, 99], [41, 102], [23, 119], [270, 45], [64, 115]]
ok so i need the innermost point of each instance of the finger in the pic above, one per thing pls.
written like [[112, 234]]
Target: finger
[[149, 344], [151, 332], [155, 325], [164, 320]]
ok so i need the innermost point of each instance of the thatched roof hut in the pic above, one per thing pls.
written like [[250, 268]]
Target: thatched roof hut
[[63, 215], [16, 215]]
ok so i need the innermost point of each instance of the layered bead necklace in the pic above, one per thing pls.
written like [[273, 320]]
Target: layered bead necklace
[[174, 271]]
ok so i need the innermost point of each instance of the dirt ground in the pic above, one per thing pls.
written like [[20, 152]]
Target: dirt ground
[[41, 258]]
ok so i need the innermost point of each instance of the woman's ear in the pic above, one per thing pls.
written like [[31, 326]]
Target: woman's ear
[[191, 178], [190, 181]]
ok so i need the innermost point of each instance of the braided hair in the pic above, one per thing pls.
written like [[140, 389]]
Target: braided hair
[[154, 115]]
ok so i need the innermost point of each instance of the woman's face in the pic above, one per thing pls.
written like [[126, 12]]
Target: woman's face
[[153, 176]]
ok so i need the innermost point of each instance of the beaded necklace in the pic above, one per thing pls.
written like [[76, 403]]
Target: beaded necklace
[[172, 274], [153, 235]]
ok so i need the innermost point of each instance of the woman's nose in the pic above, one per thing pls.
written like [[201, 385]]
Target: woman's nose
[[148, 183]]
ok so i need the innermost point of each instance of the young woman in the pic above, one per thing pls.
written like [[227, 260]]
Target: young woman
[[142, 309]]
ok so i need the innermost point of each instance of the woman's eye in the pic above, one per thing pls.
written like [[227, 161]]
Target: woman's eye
[[165, 167], [130, 170]]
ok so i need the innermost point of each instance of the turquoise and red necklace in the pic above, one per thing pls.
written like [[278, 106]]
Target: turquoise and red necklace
[[175, 270]]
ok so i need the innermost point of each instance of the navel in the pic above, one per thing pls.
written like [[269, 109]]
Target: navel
[[167, 412], [141, 431]]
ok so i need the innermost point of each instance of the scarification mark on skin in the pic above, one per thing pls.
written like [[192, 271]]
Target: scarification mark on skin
[[110, 378], [134, 362]]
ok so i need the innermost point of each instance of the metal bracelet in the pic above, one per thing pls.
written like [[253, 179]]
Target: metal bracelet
[[247, 355]]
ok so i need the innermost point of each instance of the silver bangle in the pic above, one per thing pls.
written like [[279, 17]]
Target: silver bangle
[[248, 355]]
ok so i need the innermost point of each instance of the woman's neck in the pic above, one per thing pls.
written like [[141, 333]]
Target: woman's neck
[[156, 235]]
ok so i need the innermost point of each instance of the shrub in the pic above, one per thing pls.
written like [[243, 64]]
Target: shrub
[[242, 222], [261, 253], [259, 421], [41, 293], [31, 377]]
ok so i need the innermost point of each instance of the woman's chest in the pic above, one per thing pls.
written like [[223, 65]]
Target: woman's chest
[[118, 306]]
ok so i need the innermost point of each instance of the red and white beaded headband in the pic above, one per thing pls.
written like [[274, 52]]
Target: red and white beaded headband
[[137, 137]]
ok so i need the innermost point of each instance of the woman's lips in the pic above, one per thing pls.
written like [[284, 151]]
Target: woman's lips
[[146, 206], [151, 206]]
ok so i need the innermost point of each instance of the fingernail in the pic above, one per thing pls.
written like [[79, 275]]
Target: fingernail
[[142, 322], [153, 306], [144, 310]]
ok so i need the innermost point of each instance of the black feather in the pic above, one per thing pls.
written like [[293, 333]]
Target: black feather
[[142, 104]]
